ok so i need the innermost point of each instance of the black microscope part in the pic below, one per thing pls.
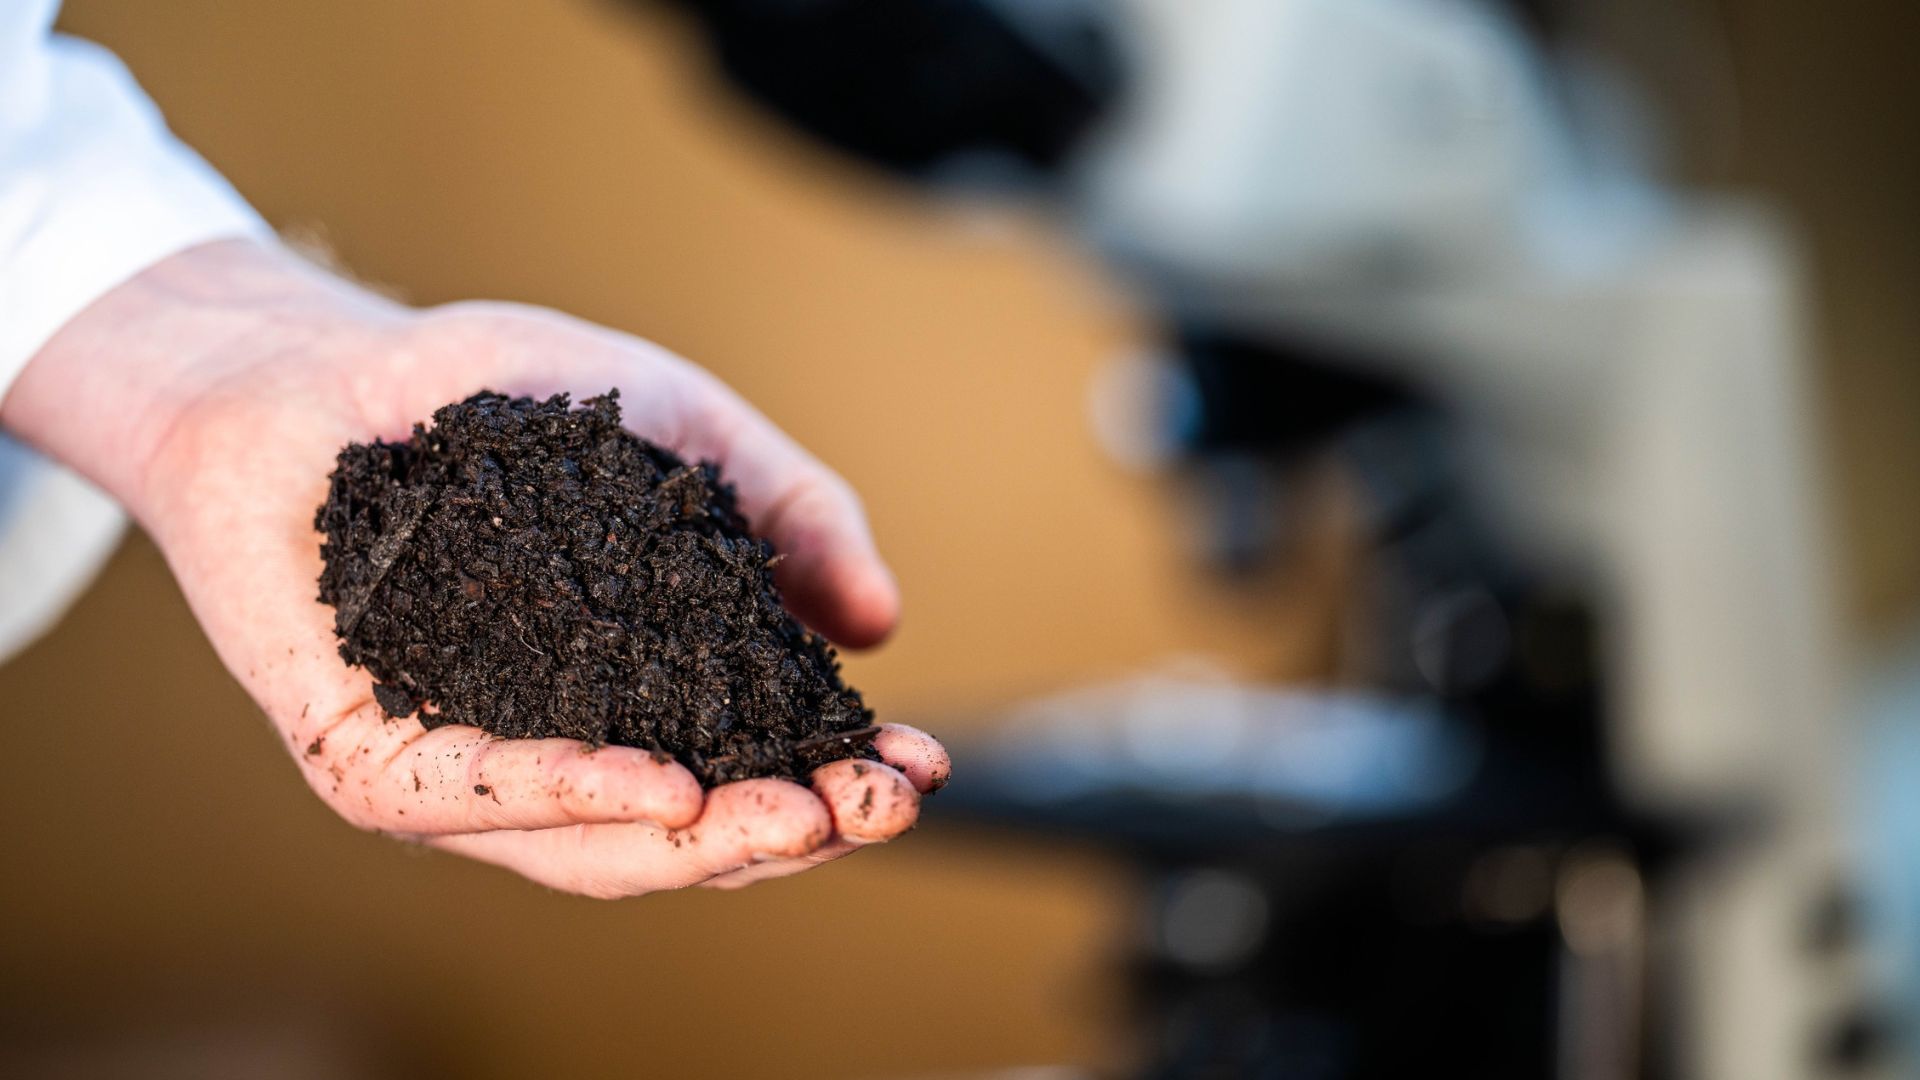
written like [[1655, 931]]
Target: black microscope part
[[910, 85]]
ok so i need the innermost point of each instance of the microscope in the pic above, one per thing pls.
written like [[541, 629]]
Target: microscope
[[1576, 810]]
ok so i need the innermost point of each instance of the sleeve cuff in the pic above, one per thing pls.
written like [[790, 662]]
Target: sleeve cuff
[[56, 530], [95, 192]]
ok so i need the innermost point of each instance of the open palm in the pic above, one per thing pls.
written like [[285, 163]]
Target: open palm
[[226, 476]]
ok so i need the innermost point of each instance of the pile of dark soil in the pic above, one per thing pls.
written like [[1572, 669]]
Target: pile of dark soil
[[539, 571]]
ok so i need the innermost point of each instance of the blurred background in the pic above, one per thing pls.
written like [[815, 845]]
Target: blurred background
[[1435, 485]]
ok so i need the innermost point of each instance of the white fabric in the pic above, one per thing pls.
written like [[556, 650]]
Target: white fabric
[[55, 532], [93, 189]]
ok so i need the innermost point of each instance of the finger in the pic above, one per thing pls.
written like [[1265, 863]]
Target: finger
[[870, 802], [396, 776], [744, 823], [916, 754], [768, 871], [833, 577]]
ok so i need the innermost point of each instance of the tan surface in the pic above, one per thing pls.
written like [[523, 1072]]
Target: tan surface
[[1829, 131]]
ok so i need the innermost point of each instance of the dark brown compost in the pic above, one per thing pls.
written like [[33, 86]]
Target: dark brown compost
[[536, 570]]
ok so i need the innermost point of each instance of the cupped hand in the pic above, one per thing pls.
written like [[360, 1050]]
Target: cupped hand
[[211, 393]]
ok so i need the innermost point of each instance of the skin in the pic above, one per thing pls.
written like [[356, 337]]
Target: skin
[[210, 394]]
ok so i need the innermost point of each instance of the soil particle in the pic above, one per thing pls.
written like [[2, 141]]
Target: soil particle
[[538, 571], [395, 702]]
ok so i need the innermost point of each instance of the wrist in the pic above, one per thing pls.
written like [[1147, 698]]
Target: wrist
[[109, 390]]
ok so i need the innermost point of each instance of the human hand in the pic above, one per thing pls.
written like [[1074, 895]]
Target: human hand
[[210, 395]]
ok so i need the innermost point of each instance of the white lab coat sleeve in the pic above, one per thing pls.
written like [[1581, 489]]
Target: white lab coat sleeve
[[93, 189]]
